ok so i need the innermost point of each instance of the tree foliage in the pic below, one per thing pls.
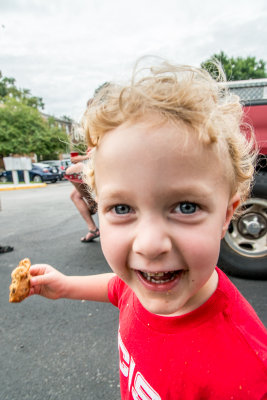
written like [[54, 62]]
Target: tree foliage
[[238, 68], [8, 89], [23, 130]]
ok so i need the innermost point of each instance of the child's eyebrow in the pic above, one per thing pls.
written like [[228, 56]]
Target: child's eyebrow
[[114, 194], [197, 190]]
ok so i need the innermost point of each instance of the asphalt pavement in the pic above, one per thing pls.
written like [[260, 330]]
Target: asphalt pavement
[[61, 350], [53, 349]]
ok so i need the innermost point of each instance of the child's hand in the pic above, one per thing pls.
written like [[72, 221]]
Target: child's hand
[[46, 281]]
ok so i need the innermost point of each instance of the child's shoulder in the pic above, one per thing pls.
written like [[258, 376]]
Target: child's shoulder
[[117, 291], [242, 319], [236, 306]]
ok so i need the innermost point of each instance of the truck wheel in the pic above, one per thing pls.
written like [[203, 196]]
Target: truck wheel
[[244, 247]]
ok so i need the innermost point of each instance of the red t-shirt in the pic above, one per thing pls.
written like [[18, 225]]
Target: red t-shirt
[[216, 352]]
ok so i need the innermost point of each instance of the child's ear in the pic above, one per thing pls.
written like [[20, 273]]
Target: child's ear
[[232, 206]]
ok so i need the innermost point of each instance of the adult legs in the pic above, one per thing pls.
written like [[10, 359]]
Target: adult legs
[[78, 196]]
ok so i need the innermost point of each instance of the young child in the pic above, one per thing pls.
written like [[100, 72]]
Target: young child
[[170, 168]]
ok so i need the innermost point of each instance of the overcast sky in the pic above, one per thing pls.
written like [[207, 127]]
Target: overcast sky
[[63, 49]]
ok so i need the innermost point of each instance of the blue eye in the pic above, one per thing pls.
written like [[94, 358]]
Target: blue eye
[[122, 209], [187, 207]]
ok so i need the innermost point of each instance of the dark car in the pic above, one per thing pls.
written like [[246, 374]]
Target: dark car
[[40, 172], [61, 165]]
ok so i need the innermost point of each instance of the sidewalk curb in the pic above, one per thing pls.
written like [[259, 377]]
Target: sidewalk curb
[[21, 186]]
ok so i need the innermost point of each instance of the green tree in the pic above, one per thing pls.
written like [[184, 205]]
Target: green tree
[[9, 90], [23, 130], [238, 68], [66, 118]]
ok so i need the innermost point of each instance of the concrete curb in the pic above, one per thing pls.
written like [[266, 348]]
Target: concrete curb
[[22, 186]]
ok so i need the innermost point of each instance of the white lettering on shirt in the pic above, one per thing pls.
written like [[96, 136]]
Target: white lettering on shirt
[[140, 389]]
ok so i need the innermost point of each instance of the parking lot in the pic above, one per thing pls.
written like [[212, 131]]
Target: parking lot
[[61, 349]]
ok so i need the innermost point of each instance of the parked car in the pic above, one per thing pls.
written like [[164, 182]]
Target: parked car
[[61, 165], [40, 172]]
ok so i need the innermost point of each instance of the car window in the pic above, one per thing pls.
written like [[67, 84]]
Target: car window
[[41, 165]]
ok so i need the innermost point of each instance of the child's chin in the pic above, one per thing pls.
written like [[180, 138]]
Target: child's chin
[[159, 307]]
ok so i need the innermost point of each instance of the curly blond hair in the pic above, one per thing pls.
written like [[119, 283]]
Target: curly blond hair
[[178, 93]]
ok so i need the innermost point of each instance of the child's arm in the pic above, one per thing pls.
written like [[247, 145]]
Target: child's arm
[[48, 282]]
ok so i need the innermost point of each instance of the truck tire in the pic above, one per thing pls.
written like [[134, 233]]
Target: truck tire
[[244, 247]]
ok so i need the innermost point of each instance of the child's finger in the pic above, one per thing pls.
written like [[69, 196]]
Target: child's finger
[[32, 292], [39, 280], [39, 269]]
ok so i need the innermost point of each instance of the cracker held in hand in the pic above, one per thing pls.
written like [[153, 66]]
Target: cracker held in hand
[[20, 285]]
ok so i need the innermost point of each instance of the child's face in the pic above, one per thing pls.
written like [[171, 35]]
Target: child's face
[[163, 209]]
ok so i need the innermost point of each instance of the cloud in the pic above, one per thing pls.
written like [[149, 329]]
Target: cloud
[[63, 50]]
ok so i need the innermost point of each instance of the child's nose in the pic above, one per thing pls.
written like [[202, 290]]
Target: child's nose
[[152, 240]]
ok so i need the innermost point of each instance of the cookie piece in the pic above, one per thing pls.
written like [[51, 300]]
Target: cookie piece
[[20, 285]]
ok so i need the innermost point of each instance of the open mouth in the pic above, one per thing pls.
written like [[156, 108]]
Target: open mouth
[[160, 277]]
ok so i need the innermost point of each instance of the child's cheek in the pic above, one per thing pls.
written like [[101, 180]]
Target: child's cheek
[[112, 247], [202, 248]]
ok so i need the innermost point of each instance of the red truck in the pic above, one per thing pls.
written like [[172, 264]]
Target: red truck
[[244, 248]]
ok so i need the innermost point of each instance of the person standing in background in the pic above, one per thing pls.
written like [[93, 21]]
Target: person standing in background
[[82, 197]]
